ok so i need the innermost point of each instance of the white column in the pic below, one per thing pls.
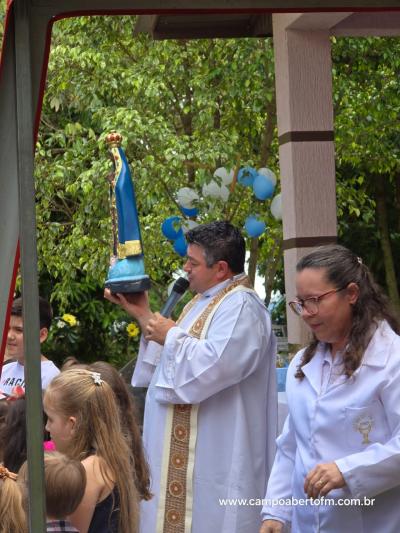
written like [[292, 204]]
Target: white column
[[306, 152]]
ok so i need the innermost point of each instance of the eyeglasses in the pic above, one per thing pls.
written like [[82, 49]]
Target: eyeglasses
[[311, 304]]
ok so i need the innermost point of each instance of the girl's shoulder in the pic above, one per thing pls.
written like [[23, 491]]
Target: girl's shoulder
[[94, 460], [98, 475]]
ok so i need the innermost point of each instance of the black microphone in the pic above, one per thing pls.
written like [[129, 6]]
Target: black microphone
[[178, 290]]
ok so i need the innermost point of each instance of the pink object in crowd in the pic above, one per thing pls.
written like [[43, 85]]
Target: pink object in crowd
[[49, 446]]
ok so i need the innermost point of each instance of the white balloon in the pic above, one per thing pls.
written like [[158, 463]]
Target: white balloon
[[216, 191], [268, 173], [276, 207], [225, 176], [211, 189], [224, 193], [186, 197], [188, 224]]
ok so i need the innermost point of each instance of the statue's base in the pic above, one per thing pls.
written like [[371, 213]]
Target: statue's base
[[126, 286]]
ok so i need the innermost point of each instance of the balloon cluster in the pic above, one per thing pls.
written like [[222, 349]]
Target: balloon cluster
[[172, 229], [262, 181], [219, 188]]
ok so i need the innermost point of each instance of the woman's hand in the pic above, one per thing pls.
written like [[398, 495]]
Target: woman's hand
[[322, 479], [271, 526]]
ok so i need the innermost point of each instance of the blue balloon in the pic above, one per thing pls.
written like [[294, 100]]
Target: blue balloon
[[180, 245], [254, 226], [263, 187], [171, 228], [189, 212], [246, 176]]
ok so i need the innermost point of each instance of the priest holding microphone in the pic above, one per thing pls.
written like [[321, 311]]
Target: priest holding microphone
[[211, 406]]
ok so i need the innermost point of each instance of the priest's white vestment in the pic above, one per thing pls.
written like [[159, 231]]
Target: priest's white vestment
[[229, 378]]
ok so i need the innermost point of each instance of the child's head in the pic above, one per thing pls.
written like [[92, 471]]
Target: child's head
[[81, 411], [12, 513], [15, 338], [45, 311], [3, 413], [83, 419], [128, 413], [72, 362], [13, 435], [65, 481]]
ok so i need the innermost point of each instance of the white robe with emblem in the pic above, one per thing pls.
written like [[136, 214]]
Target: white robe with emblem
[[231, 375], [325, 425]]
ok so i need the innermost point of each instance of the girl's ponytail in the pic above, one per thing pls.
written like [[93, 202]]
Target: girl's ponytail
[[12, 513]]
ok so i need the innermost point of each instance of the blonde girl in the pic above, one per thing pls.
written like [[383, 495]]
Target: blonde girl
[[12, 513], [83, 422]]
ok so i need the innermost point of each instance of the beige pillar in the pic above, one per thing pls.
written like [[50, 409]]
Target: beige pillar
[[306, 151]]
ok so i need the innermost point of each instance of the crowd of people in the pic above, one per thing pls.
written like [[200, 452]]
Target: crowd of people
[[209, 460]]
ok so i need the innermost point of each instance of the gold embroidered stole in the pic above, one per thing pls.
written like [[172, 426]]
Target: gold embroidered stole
[[176, 498]]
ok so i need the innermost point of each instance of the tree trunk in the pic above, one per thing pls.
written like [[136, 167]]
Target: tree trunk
[[382, 221], [397, 200], [268, 134], [271, 269], [253, 259], [275, 257]]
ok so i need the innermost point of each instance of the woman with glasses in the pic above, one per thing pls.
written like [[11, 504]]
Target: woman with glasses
[[337, 467]]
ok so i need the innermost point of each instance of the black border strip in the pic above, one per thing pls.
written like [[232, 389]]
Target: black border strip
[[305, 136], [308, 242]]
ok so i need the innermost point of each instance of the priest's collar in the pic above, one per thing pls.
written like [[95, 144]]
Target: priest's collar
[[216, 288]]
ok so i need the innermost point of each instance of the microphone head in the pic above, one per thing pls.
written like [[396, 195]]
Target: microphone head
[[181, 285]]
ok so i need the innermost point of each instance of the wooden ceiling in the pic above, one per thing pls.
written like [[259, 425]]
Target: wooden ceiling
[[220, 25], [202, 26]]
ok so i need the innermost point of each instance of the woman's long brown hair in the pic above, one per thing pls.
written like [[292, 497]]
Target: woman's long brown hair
[[342, 267]]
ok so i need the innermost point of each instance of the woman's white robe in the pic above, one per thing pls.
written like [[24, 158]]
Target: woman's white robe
[[325, 426]]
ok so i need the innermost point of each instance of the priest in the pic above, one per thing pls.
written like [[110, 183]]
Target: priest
[[211, 406]]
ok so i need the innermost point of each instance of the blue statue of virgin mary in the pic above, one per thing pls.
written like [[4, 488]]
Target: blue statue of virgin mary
[[126, 272]]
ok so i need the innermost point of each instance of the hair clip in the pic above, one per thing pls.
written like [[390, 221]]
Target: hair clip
[[6, 473], [97, 378], [359, 260]]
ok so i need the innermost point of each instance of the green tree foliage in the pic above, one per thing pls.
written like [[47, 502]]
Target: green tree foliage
[[184, 108], [367, 135]]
